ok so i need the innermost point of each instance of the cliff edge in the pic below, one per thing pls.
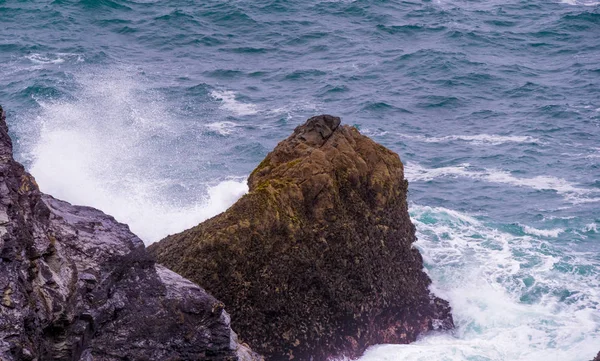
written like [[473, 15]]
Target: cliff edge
[[77, 285], [316, 261]]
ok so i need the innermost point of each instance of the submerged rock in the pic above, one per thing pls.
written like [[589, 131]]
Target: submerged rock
[[77, 285], [316, 261]]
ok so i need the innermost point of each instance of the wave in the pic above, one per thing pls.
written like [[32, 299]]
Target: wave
[[510, 301], [591, 228], [58, 58], [222, 128], [542, 232], [479, 139], [580, 2], [230, 103], [415, 172], [111, 147], [476, 139]]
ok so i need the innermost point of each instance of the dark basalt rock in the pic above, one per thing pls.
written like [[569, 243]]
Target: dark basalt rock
[[77, 285], [597, 358], [316, 261]]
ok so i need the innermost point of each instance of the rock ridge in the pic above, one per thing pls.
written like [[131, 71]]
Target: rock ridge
[[77, 285], [319, 252]]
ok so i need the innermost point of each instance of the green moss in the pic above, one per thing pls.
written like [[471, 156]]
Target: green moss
[[292, 163], [276, 184], [265, 163]]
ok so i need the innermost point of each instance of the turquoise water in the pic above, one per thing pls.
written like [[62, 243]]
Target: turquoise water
[[156, 111]]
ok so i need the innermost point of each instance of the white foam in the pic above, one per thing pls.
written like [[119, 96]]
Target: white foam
[[41, 59], [510, 303], [229, 103], [223, 128], [581, 2], [415, 172], [591, 227], [57, 58], [373, 132], [542, 232], [539, 182], [478, 139], [98, 150], [293, 109]]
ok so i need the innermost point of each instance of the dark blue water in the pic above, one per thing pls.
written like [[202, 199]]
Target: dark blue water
[[156, 112]]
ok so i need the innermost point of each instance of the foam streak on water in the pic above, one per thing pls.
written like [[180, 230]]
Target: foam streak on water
[[569, 190]]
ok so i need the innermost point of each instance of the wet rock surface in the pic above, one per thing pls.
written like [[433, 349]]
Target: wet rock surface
[[77, 285], [316, 261]]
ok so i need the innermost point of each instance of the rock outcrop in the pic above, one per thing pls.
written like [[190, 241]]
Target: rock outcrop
[[597, 358], [316, 261], [77, 285]]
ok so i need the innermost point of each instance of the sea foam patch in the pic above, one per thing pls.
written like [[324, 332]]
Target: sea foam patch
[[223, 128], [510, 301], [54, 58], [230, 103]]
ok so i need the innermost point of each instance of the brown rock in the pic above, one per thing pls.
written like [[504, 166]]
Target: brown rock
[[317, 259]]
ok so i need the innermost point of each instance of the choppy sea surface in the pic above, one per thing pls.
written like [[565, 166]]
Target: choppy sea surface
[[156, 112]]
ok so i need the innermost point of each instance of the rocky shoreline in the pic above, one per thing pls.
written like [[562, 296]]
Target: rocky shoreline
[[77, 285], [315, 262]]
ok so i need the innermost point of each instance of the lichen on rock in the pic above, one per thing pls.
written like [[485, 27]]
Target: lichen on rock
[[316, 261]]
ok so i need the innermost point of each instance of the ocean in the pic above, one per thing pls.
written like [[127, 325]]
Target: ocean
[[156, 112]]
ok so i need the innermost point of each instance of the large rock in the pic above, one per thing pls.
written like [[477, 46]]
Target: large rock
[[316, 261], [597, 358], [77, 285]]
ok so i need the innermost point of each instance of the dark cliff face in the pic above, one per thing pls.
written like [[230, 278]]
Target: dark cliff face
[[316, 261], [77, 285]]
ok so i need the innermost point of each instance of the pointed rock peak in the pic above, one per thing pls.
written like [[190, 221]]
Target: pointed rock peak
[[320, 250], [317, 129]]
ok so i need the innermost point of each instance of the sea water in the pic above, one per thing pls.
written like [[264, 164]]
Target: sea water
[[156, 112]]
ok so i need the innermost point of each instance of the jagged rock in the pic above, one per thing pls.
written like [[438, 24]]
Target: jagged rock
[[316, 261], [597, 358], [77, 285]]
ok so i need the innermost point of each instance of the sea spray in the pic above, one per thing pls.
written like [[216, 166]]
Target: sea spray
[[100, 150]]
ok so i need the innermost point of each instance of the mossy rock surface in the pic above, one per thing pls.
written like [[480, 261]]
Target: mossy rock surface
[[317, 259]]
